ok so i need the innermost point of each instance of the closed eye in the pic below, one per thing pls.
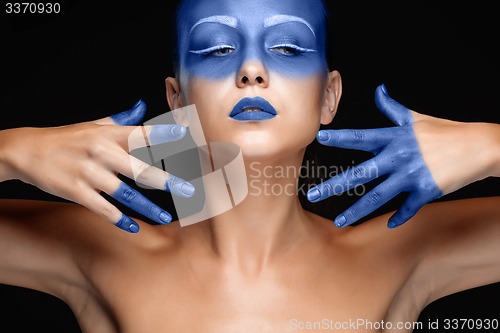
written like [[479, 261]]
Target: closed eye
[[219, 50], [290, 49]]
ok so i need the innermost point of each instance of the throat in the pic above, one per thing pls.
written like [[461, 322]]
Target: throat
[[258, 230]]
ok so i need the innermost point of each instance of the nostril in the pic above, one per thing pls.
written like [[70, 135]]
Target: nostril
[[244, 79], [260, 80]]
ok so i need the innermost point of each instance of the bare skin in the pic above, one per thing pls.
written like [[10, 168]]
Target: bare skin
[[267, 262], [173, 279]]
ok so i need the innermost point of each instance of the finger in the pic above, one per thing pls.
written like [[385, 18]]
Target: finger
[[95, 202], [146, 174], [136, 201], [130, 197], [409, 208], [396, 112], [370, 202], [132, 116], [363, 173], [143, 136], [179, 187], [371, 140]]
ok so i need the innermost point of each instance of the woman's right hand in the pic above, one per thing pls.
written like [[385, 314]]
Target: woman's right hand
[[77, 162]]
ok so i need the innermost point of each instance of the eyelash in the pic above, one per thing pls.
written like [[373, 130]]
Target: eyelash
[[290, 49], [215, 50], [224, 50]]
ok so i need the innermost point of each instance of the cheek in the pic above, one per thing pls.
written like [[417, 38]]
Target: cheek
[[212, 104], [302, 102]]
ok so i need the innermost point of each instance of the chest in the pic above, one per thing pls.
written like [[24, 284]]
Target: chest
[[182, 298]]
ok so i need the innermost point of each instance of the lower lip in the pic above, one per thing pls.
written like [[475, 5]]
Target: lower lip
[[253, 116]]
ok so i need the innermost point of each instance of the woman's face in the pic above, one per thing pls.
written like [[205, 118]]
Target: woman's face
[[256, 71]]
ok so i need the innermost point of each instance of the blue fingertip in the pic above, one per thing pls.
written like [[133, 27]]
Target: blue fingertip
[[383, 87], [340, 221], [392, 225], [166, 133], [178, 130], [179, 187], [127, 224], [165, 217], [132, 116], [323, 136], [313, 194]]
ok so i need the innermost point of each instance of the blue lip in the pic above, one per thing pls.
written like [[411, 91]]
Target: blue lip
[[264, 110]]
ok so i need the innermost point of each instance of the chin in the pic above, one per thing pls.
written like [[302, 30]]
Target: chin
[[269, 150]]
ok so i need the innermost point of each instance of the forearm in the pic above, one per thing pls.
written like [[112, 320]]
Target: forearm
[[7, 146]]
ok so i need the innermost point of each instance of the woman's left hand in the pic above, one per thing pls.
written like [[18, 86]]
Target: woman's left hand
[[426, 157]]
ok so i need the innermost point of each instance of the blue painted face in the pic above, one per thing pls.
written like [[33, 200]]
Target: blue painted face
[[216, 37]]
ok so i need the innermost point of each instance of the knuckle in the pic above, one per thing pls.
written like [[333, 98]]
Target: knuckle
[[358, 172], [373, 198], [358, 135], [98, 150], [327, 188], [350, 214], [129, 195]]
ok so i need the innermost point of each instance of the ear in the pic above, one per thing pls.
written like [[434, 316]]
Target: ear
[[174, 97], [333, 91]]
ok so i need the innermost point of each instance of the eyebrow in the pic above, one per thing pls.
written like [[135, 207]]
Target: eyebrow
[[280, 19], [222, 19]]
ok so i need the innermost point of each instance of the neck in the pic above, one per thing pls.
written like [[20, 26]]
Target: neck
[[269, 222]]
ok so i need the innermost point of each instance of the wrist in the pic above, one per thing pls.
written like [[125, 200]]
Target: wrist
[[490, 148], [495, 149]]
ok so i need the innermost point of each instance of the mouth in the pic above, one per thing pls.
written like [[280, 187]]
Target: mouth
[[253, 109]]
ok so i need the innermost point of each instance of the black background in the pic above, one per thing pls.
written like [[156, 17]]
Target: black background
[[93, 60]]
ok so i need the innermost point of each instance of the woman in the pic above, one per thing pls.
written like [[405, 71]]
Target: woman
[[230, 272]]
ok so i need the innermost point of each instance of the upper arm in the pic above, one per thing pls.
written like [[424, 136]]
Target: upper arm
[[34, 246], [459, 242]]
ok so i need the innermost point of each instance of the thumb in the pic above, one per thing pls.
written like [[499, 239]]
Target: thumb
[[132, 116], [396, 112]]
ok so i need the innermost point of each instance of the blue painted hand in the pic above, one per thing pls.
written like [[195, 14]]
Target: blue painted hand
[[396, 155]]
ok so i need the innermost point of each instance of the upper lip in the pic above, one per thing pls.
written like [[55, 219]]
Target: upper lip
[[257, 103]]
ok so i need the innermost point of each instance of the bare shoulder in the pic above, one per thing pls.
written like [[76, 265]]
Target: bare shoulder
[[433, 227], [433, 218], [65, 240]]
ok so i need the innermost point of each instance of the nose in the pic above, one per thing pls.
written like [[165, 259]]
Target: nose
[[252, 73]]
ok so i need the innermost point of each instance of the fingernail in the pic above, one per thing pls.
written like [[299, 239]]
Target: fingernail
[[187, 189], [127, 224], [323, 136], [165, 217], [313, 194], [391, 224], [340, 221], [137, 104], [384, 89], [179, 187], [178, 130]]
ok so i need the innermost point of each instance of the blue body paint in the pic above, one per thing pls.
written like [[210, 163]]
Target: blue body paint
[[166, 133], [179, 187], [127, 224], [138, 202], [215, 38], [132, 116], [397, 156]]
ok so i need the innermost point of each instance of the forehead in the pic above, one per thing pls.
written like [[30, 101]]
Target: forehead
[[250, 11]]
